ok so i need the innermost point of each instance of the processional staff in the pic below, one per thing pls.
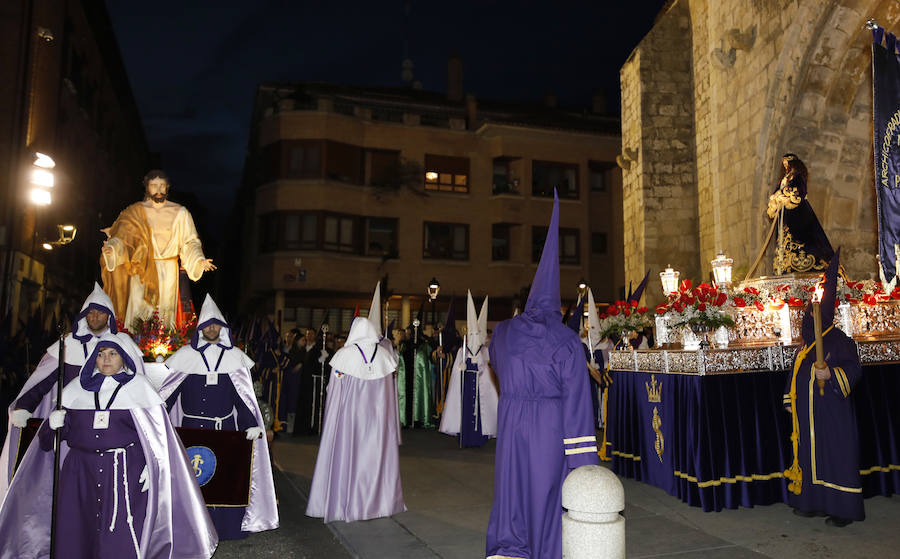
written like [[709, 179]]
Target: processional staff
[[817, 325], [322, 373], [57, 440]]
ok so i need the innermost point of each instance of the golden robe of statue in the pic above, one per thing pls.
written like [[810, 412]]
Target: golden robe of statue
[[140, 273]]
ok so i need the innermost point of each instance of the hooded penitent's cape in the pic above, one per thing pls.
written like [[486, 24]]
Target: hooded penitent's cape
[[824, 476], [385, 341], [357, 475], [545, 422], [38, 395], [471, 406], [175, 523], [222, 357]]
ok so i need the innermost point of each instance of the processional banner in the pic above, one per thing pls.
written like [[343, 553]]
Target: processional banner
[[221, 462], [886, 112]]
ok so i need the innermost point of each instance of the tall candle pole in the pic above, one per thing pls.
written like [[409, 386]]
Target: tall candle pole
[[817, 325]]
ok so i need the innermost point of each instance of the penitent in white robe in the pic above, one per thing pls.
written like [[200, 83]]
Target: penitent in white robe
[[174, 237]]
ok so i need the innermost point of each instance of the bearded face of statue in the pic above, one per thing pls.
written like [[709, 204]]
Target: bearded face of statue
[[157, 190]]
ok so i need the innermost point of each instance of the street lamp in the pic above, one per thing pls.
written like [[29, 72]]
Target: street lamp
[[66, 235], [42, 178], [433, 289], [721, 266], [669, 279]]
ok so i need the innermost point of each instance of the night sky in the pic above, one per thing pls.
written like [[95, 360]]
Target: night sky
[[194, 66]]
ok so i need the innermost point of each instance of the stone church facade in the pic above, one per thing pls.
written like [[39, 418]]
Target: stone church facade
[[713, 96]]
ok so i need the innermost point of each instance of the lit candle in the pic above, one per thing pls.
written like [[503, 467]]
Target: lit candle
[[817, 325]]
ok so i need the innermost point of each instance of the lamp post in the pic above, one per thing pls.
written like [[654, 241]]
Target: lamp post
[[669, 279], [721, 266], [433, 289], [582, 286]]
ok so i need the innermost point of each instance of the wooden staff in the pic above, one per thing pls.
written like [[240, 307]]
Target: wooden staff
[[817, 326], [57, 441]]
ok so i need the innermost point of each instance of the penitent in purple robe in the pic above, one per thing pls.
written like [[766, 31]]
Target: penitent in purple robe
[[827, 451], [93, 473], [210, 387], [545, 420], [357, 475]]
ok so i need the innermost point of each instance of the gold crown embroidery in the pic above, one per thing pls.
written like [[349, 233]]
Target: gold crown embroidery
[[654, 391]]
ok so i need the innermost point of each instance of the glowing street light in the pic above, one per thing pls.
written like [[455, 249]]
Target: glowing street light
[[40, 197]]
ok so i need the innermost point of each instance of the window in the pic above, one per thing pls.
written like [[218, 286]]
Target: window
[[500, 241], [446, 174], [381, 237], [598, 244], [569, 250], [343, 162], [304, 159], [600, 175], [384, 168], [448, 241], [545, 175], [268, 233], [339, 233], [502, 182], [299, 231]]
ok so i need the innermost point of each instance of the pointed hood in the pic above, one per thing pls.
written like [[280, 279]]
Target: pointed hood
[[210, 314], [544, 295], [637, 293], [576, 318], [473, 337], [827, 304], [362, 355], [201, 356], [375, 309], [593, 321], [97, 300], [482, 320]]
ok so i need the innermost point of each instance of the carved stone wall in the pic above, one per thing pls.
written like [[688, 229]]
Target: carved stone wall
[[764, 77]]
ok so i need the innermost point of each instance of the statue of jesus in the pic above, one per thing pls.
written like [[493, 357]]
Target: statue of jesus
[[140, 258]]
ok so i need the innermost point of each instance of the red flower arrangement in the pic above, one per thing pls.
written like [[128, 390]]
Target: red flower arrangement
[[623, 316], [697, 305], [156, 339]]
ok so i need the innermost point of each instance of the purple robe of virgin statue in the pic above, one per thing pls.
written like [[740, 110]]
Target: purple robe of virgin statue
[[357, 475], [545, 418]]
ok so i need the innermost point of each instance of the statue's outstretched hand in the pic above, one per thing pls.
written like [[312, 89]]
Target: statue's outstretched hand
[[106, 231], [208, 265]]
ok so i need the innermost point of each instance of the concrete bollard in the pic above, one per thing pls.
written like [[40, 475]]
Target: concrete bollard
[[592, 527]]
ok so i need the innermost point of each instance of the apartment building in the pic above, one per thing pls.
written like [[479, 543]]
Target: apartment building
[[346, 185]]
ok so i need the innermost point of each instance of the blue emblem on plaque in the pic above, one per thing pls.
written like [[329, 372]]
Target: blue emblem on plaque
[[203, 463]]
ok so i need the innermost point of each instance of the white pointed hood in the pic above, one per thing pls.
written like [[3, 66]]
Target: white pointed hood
[[476, 324], [375, 309], [202, 356], [362, 356], [593, 320], [81, 341]]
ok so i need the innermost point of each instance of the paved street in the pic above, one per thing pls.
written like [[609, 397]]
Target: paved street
[[448, 492]]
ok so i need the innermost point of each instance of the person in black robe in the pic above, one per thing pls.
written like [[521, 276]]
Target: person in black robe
[[802, 245], [824, 477]]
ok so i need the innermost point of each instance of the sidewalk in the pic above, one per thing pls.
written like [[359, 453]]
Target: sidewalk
[[449, 491]]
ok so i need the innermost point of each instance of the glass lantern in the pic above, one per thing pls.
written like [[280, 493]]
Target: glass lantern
[[669, 280], [721, 266]]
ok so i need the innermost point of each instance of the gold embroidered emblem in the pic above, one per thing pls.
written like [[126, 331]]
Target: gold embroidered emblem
[[659, 444], [196, 463], [654, 392]]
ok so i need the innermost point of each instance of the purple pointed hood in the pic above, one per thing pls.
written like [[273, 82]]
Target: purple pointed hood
[[544, 295], [637, 293], [827, 304]]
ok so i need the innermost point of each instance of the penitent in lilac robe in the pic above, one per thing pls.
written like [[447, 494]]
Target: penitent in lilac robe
[[545, 430], [357, 475]]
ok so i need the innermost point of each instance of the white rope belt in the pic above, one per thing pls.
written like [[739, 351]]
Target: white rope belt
[[218, 420], [129, 518]]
